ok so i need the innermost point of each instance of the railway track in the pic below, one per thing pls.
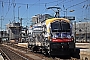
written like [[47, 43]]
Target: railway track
[[42, 56], [28, 52], [10, 54], [4, 55]]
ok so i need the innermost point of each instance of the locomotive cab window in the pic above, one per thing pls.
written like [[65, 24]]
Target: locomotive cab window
[[65, 26], [59, 26], [56, 26]]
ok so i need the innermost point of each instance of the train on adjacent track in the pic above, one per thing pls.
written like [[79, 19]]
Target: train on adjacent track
[[54, 37]]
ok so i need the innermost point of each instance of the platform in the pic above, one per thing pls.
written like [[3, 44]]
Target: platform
[[84, 50], [83, 45], [85, 54]]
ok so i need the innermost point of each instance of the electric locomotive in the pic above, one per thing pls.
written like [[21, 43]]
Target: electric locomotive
[[53, 37]]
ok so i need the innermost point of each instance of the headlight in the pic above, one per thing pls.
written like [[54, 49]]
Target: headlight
[[68, 36]]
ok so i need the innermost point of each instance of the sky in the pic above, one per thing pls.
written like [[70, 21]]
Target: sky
[[10, 10]]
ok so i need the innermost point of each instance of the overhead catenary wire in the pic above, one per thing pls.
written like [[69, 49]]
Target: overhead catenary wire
[[9, 7], [2, 10], [45, 3], [33, 3], [14, 5], [76, 4], [50, 2], [44, 10], [37, 3], [29, 7], [25, 4], [2, 14]]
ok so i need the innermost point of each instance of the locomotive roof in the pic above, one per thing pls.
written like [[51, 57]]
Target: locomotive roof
[[53, 19]]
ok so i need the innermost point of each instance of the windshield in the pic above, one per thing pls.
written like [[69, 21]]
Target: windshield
[[60, 26], [56, 26]]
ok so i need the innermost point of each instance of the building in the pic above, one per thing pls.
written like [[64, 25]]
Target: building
[[82, 31], [3, 35], [14, 29], [39, 18]]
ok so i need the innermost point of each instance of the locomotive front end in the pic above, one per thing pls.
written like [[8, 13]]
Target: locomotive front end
[[61, 39]]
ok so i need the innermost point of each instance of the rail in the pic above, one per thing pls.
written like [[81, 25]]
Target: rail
[[5, 55], [11, 54]]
